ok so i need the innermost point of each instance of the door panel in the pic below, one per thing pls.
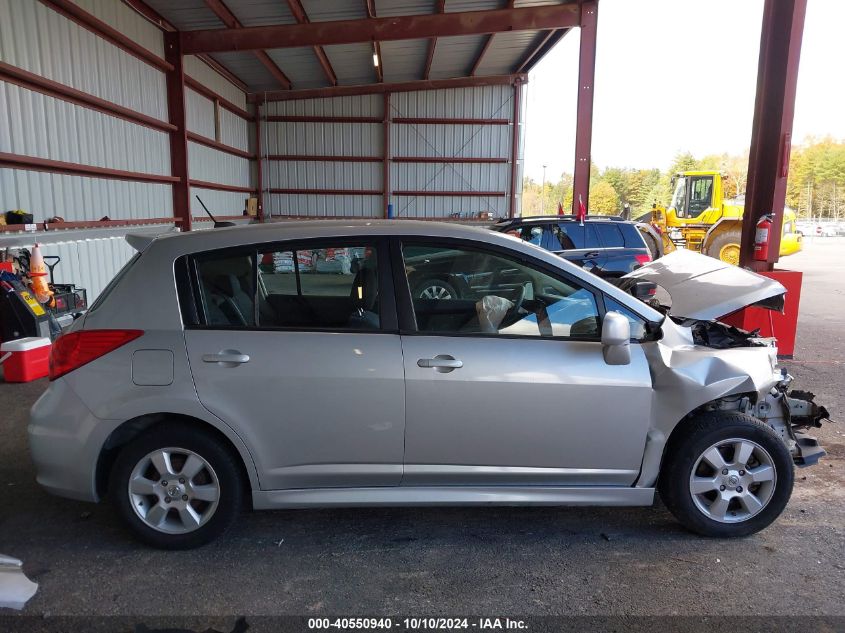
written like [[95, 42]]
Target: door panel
[[316, 409], [523, 411]]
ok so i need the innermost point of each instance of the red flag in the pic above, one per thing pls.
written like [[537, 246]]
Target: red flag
[[582, 210], [559, 208]]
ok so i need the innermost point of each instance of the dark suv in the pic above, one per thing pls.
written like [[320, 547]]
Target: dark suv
[[605, 245]]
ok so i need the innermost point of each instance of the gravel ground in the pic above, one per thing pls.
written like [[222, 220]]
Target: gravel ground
[[527, 561]]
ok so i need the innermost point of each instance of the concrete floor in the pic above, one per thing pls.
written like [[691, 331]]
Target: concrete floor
[[457, 561]]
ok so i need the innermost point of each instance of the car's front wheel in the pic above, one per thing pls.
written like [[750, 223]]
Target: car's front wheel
[[726, 474], [177, 487]]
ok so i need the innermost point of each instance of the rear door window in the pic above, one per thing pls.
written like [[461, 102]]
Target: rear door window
[[575, 233], [610, 235]]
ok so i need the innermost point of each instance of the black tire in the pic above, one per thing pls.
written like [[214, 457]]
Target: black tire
[[715, 247], [226, 467], [421, 287], [690, 441]]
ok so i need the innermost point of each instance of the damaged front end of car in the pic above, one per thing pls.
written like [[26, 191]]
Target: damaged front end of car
[[736, 370]]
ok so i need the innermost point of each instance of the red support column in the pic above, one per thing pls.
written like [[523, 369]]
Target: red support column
[[259, 181], [385, 154], [175, 80], [517, 123], [771, 136], [584, 122]]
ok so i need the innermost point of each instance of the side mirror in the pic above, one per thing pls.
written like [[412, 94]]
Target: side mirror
[[616, 339]]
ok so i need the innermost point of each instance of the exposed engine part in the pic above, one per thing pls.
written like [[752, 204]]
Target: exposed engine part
[[787, 413], [720, 335]]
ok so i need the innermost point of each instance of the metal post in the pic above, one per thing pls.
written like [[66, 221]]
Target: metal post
[[385, 164], [584, 122], [175, 81], [517, 124], [771, 136], [259, 181]]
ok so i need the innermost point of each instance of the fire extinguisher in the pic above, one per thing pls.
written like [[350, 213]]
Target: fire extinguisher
[[761, 237]]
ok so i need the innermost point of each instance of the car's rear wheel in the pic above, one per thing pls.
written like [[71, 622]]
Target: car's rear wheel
[[435, 289], [177, 488], [726, 474]]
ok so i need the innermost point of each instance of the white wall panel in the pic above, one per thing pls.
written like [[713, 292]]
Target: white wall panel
[[42, 41], [80, 198], [361, 105], [443, 207], [476, 141], [211, 165], [234, 130], [328, 175], [483, 102], [199, 113], [210, 78], [324, 206], [122, 17], [325, 139], [47, 127], [218, 202]]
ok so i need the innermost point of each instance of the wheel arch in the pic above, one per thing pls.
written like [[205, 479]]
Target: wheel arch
[[722, 226], [137, 426]]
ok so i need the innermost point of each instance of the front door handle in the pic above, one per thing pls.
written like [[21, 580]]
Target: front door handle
[[442, 363], [228, 357], [592, 255]]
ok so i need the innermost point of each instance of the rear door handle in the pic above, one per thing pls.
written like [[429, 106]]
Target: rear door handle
[[226, 357], [442, 363], [592, 255]]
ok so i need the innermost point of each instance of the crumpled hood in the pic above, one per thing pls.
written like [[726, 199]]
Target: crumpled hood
[[703, 287]]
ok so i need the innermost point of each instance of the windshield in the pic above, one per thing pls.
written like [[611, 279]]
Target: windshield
[[680, 195]]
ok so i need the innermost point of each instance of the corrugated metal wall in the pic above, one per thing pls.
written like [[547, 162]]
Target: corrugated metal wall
[[443, 140], [42, 41]]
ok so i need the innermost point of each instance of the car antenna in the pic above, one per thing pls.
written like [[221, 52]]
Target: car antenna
[[217, 224]]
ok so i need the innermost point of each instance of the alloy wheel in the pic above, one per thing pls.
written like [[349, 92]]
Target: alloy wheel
[[435, 292], [733, 480], [174, 490]]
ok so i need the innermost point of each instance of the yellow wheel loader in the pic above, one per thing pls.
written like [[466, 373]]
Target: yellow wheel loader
[[699, 219]]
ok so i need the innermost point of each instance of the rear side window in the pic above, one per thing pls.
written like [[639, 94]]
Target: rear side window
[[334, 287], [226, 289], [610, 235], [575, 233]]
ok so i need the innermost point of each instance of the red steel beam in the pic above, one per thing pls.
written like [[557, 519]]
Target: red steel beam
[[286, 118], [87, 224], [217, 186], [232, 25], [449, 159], [584, 116], [371, 89], [259, 175], [449, 121], [517, 122], [37, 83], [301, 17], [74, 12], [382, 29], [385, 153], [457, 194], [432, 44], [33, 163], [155, 18], [175, 82], [210, 142], [771, 135], [324, 159], [328, 192], [528, 60], [481, 55], [208, 93]]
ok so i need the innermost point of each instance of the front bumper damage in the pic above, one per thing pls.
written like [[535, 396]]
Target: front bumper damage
[[791, 414]]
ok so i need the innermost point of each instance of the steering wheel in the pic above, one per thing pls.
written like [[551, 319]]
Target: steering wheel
[[512, 315]]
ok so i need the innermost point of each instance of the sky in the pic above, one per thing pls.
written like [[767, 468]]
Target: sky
[[682, 80]]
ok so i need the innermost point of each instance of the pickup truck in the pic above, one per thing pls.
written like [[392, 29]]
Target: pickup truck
[[608, 246]]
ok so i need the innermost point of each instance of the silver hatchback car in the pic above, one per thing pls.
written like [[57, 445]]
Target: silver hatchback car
[[311, 364]]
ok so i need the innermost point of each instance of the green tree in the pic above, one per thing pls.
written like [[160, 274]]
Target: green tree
[[603, 199]]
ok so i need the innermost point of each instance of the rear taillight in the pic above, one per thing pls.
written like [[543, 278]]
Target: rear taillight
[[642, 259], [73, 350]]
